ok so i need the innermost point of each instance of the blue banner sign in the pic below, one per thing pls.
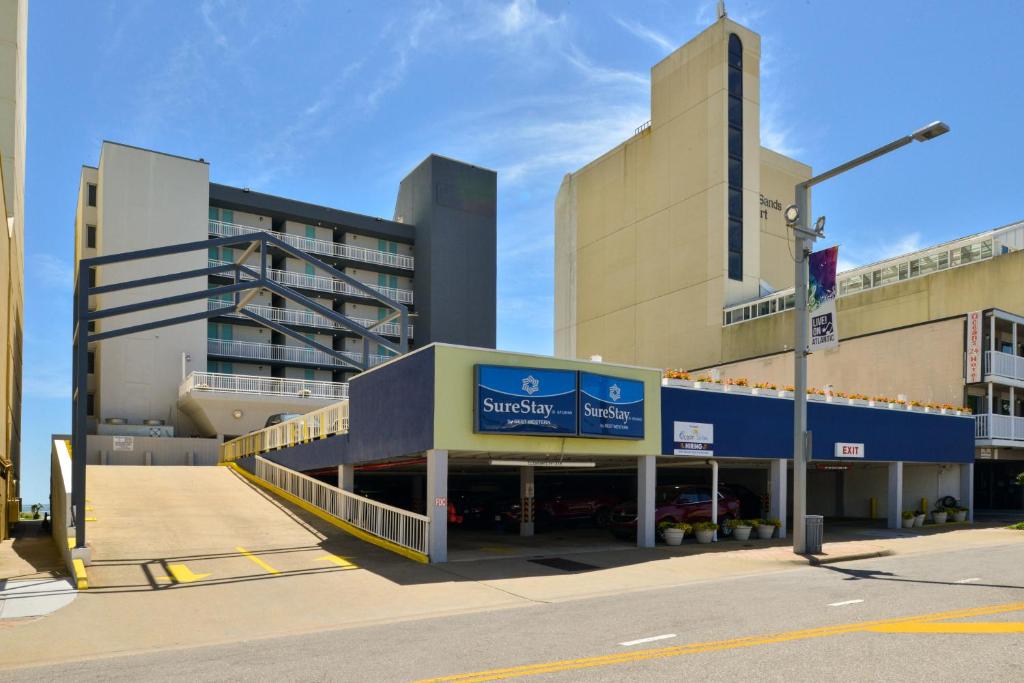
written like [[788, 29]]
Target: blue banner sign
[[611, 406], [512, 400]]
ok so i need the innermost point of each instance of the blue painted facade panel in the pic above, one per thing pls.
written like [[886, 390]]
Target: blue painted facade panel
[[761, 427]]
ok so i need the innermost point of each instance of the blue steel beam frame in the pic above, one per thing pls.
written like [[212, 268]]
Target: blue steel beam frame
[[82, 316]]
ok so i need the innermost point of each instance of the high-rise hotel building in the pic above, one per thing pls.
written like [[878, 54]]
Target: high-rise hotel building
[[174, 388], [671, 251]]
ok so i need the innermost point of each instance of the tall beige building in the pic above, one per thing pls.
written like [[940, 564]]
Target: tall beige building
[[13, 87], [655, 237], [671, 251]]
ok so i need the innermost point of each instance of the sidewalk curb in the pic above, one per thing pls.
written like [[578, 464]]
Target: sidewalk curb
[[818, 560]]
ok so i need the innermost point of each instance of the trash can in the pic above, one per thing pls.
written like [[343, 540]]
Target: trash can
[[814, 530]]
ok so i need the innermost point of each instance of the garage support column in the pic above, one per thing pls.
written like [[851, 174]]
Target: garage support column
[[777, 504], [437, 505], [895, 506], [646, 482], [347, 478], [526, 494], [967, 489]]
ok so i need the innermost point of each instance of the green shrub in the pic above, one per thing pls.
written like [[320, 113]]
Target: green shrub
[[771, 522], [733, 523], [1019, 526], [907, 514], [705, 526]]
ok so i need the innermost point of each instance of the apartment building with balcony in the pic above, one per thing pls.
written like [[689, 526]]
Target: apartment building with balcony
[[181, 386], [686, 216]]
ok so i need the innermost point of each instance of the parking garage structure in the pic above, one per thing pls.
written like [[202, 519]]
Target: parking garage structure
[[513, 424]]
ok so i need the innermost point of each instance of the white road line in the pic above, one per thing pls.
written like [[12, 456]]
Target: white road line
[[648, 640], [968, 580], [844, 602]]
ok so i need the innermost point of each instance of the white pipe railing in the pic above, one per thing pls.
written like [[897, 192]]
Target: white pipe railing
[[1007, 427], [318, 246], [401, 527], [961, 252], [286, 354], [1004, 365], [321, 283], [291, 316], [220, 382], [317, 424]]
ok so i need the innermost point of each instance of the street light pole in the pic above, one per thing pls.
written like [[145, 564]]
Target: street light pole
[[798, 217]]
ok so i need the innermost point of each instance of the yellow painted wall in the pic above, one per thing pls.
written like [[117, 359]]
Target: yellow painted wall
[[454, 396], [923, 362]]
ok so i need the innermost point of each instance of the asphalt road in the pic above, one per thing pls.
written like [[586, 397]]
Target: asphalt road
[[805, 624]]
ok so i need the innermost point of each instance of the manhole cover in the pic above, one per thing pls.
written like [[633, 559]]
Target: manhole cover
[[565, 565]]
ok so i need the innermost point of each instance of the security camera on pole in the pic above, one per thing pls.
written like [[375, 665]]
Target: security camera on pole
[[797, 216]]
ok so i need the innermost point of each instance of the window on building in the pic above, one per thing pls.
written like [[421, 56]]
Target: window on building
[[388, 246], [92, 194], [92, 362], [735, 121], [90, 405], [221, 331], [90, 236], [92, 277], [92, 325], [311, 232], [310, 375]]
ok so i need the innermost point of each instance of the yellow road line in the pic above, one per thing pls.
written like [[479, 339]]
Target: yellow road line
[[180, 573], [340, 561], [713, 646], [954, 627], [257, 560]]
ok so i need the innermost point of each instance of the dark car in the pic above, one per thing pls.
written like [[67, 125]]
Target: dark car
[[558, 504], [278, 418], [751, 504], [678, 503]]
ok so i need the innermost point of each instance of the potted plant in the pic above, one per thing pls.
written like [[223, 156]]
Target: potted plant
[[919, 518], [766, 527], [673, 532], [705, 531], [960, 514], [741, 528], [939, 516], [908, 519]]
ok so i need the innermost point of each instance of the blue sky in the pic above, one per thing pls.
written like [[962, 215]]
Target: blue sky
[[334, 102]]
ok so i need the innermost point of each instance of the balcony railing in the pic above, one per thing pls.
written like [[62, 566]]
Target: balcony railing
[[321, 283], [961, 252], [317, 424], [1005, 427], [1005, 365], [324, 247], [284, 354], [290, 316], [218, 382]]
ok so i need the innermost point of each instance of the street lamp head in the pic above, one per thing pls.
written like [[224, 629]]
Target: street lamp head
[[819, 226], [791, 214], [932, 130]]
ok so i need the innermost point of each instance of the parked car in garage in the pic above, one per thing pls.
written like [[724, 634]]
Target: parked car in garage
[[557, 504], [676, 503]]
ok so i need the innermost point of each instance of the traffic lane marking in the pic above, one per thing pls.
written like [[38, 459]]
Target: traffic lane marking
[[844, 602], [180, 573], [953, 627], [260, 563], [714, 646], [648, 640], [340, 561]]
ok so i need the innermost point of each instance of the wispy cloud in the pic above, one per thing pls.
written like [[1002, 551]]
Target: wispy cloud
[[659, 40], [851, 257], [50, 271]]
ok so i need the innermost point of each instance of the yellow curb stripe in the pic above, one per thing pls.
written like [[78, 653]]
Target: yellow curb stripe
[[340, 561], [695, 648], [266, 567], [81, 578], [344, 526]]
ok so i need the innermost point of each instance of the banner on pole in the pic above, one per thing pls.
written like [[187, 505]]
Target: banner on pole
[[821, 300]]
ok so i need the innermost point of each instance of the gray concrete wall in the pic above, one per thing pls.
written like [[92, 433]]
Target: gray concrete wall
[[454, 208], [161, 451], [147, 199]]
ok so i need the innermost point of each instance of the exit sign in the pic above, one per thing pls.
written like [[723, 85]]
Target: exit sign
[[849, 450]]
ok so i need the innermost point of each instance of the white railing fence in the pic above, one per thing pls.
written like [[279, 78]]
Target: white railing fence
[[320, 423], [401, 527], [1004, 365], [1007, 427], [219, 382], [283, 353], [317, 246], [291, 316], [322, 283]]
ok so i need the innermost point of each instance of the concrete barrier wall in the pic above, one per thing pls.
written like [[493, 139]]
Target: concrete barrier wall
[[148, 450], [60, 498]]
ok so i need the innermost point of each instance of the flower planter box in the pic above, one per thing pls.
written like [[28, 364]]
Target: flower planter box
[[816, 397], [960, 516], [678, 383], [705, 535], [919, 520], [785, 394], [742, 533], [908, 522], [859, 402], [735, 389], [673, 536], [765, 531], [939, 517]]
